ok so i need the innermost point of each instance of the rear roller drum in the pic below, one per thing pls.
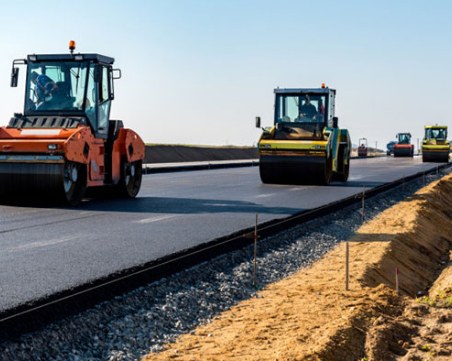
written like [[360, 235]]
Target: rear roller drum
[[344, 166], [328, 172], [131, 179]]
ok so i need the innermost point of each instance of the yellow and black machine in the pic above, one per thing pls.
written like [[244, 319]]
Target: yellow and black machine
[[435, 146], [305, 144]]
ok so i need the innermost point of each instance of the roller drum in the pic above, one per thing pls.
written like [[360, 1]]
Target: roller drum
[[295, 170], [30, 176], [439, 157], [403, 152], [51, 180]]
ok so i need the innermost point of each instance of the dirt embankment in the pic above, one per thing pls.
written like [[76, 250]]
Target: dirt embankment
[[185, 153], [310, 315]]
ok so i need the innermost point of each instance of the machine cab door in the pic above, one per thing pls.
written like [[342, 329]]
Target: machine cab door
[[104, 99], [99, 97]]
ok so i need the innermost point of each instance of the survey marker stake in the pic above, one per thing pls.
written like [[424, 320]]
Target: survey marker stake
[[346, 264], [397, 279], [255, 253]]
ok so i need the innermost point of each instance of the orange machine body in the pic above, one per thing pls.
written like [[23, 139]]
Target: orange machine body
[[76, 145]]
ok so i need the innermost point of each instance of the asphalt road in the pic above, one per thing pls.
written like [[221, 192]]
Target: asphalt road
[[49, 249]]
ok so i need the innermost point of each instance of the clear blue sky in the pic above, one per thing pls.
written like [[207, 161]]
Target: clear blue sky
[[199, 71]]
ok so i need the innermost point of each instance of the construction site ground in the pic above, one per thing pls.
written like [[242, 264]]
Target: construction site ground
[[311, 315]]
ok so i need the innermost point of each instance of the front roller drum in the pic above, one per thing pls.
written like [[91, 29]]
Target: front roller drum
[[438, 157], [403, 152], [295, 170], [62, 181]]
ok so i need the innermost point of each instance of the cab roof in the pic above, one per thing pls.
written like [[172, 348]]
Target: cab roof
[[71, 57], [436, 126], [304, 91]]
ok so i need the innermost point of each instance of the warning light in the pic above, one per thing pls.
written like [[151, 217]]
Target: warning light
[[323, 86], [72, 46]]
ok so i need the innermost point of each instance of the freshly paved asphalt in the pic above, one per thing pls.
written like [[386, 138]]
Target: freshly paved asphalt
[[46, 249]]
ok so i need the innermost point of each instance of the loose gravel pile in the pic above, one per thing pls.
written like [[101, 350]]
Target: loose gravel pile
[[142, 321]]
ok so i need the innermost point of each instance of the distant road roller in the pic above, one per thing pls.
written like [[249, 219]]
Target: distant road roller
[[403, 146], [363, 148], [435, 146], [65, 142], [305, 144]]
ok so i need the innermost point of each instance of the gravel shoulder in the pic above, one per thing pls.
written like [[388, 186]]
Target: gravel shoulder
[[310, 316]]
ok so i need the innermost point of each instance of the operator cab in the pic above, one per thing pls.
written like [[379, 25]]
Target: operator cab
[[68, 85], [305, 106], [439, 133], [304, 113], [404, 138]]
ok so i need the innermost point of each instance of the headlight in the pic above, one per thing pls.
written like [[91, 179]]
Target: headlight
[[52, 147]]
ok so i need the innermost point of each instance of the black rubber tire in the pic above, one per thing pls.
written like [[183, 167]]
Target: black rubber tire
[[131, 177], [74, 183]]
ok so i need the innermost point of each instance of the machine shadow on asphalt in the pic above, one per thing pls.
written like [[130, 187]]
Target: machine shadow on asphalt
[[100, 202], [185, 206], [357, 184], [169, 205]]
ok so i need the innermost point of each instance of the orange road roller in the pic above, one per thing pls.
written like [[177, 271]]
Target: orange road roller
[[403, 146], [64, 142]]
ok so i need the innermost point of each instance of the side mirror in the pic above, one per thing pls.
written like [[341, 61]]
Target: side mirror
[[14, 77], [335, 122], [258, 122], [116, 73]]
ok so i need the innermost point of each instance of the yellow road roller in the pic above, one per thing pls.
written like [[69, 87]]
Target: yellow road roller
[[305, 144], [435, 146]]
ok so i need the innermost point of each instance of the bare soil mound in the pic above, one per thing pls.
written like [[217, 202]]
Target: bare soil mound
[[311, 316], [422, 332]]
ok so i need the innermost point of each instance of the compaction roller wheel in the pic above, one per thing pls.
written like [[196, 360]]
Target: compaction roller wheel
[[74, 182], [131, 179]]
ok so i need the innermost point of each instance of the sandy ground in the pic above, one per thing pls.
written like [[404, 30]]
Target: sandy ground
[[311, 315]]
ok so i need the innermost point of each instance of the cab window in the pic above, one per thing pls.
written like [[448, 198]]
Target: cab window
[[104, 100]]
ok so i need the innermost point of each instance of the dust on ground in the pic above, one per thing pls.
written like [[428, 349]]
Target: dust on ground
[[311, 316]]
